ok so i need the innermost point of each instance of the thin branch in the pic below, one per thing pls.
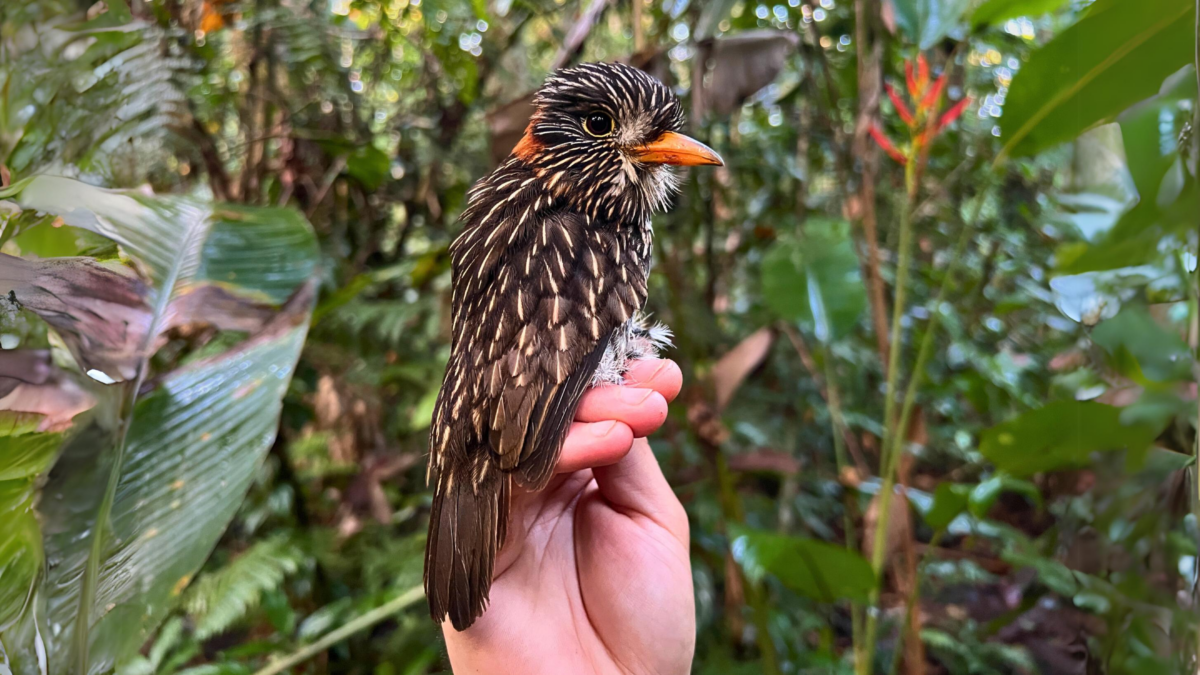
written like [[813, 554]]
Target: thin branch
[[219, 182], [333, 637], [579, 32], [331, 175], [870, 91], [827, 389]]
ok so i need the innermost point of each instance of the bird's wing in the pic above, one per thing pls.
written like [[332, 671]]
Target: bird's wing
[[534, 314]]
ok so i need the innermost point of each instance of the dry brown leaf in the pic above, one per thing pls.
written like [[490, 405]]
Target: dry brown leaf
[[103, 312], [731, 370], [507, 124], [764, 460], [741, 65], [899, 526], [23, 366], [1068, 360], [30, 383]]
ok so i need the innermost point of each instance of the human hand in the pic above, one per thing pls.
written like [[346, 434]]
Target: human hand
[[595, 576]]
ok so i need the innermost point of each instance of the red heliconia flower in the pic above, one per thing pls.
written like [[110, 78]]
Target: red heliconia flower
[[887, 145], [909, 78], [953, 113], [926, 96], [901, 107], [931, 96]]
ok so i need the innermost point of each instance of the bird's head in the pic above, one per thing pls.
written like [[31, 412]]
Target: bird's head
[[604, 137]]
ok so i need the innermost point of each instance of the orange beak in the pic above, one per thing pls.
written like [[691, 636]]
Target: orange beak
[[677, 149]]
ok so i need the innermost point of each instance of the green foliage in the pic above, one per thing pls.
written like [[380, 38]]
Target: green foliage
[[814, 278], [1151, 132], [1062, 434], [812, 568], [928, 21], [97, 94], [219, 599], [1114, 57], [143, 490], [1053, 421], [1141, 347], [27, 454], [994, 12], [949, 501]]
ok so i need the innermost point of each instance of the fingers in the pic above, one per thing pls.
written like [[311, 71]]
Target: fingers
[[610, 417], [594, 444], [642, 410], [661, 375], [636, 484]]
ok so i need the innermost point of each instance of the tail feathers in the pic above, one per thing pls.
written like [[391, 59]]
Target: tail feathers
[[467, 526]]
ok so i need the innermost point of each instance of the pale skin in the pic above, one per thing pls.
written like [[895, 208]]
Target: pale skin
[[595, 576]]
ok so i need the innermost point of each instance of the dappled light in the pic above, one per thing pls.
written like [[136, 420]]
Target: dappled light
[[884, 317]]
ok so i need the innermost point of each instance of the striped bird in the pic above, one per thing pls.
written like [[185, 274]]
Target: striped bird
[[548, 282]]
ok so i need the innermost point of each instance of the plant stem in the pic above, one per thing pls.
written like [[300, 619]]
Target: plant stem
[[731, 507], [838, 424], [350, 628], [916, 594], [639, 41], [887, 464], [893, 442], [1195, 322]]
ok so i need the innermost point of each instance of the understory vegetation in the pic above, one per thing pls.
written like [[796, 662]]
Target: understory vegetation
[[938, 319]]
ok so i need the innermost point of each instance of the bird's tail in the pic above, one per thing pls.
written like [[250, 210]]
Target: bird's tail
[[467, 526]]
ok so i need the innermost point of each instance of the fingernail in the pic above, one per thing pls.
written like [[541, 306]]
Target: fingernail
[[602, 429], [635, 396]]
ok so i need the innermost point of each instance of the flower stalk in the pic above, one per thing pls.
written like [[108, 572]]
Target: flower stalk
[[923, 122]]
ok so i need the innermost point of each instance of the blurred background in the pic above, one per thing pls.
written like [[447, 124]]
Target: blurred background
[[224, 320]]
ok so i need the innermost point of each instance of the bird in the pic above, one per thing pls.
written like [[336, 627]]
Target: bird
[[548, 283]]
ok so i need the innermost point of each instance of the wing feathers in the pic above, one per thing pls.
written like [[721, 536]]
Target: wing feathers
[[542, 448]]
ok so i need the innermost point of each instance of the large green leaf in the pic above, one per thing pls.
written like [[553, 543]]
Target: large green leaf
[[1094, 70], [984, 495], [950, 500], [25, 454], [1150, 132], [1136, 237], [1138, 342], [810, 567], [1062, 434], [816, 279], [144, 488], [993, 12], [927, 21], [369, 166]]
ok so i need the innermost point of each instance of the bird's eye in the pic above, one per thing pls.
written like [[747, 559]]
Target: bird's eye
[[598, 124]]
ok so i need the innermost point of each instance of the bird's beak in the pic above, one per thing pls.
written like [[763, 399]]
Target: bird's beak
[[677, 149]]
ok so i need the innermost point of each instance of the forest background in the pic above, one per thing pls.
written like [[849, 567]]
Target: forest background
[[937, 317]]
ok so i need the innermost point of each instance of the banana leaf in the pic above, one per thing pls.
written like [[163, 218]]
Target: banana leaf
[[104, 524]]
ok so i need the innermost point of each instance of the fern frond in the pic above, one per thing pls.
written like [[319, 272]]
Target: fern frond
[[381, 322], [89, 95], [220, 599]]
